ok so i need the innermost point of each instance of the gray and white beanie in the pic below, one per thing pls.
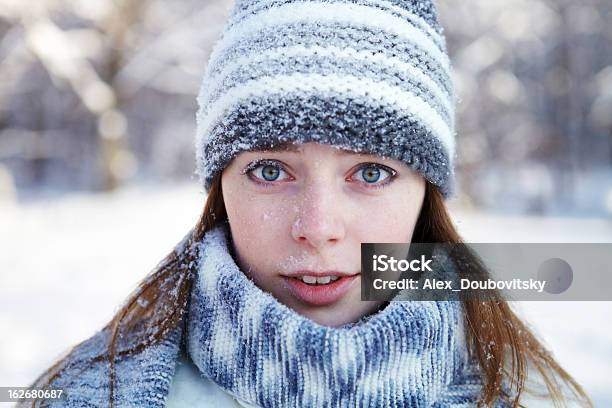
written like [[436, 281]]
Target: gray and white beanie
[[371, 76]]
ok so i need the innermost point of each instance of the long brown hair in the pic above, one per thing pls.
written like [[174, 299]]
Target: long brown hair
[[496, 336]]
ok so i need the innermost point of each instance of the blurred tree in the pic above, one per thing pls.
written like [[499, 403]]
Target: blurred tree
[[532, 85], [93, 90]]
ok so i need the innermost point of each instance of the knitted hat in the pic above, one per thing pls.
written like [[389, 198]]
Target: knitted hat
[[371, 76]]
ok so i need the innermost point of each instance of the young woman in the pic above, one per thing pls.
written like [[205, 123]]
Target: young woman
[[322, 125]]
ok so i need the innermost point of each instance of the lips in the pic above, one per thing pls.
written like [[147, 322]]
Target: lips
[[320, 294], [306, 272]]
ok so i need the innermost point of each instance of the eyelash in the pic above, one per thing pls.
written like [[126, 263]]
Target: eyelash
[[256, 164]]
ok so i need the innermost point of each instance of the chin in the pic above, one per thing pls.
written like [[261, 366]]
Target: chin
[[328, 315]]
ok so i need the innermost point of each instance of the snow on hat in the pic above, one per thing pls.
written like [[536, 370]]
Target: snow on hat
[[371, 76]]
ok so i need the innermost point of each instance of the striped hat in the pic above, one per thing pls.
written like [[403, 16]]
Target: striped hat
[[371, 76]]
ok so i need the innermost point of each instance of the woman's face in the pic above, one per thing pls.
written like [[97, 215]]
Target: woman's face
[[305, 209]]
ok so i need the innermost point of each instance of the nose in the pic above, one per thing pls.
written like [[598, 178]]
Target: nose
[[318, 221]]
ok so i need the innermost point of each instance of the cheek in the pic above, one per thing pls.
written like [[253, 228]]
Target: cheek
[[257, 216], [246, 217], [259, 229], [389, 220], [252, 211]]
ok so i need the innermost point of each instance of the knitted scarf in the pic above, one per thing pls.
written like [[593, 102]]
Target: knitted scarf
[[408, 354]]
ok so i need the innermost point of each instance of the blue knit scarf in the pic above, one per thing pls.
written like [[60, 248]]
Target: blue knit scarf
[[408, 354]]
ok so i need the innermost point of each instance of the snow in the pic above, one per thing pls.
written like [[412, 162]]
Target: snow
[[575, 332], [69, 262]]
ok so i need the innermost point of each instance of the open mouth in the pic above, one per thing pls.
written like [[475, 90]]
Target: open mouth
[[313, 280], [320, 291]]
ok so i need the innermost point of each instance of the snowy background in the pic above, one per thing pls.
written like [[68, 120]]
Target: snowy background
[[97, 117]]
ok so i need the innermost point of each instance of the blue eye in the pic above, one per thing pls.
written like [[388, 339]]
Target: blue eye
[[265, 170], [270, 173], [371, 174]]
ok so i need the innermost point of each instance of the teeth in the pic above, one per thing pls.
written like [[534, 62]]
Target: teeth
[[311, 280], [323, 280]]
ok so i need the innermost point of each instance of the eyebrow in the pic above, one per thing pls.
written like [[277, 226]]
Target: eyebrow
[[296, 148]]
